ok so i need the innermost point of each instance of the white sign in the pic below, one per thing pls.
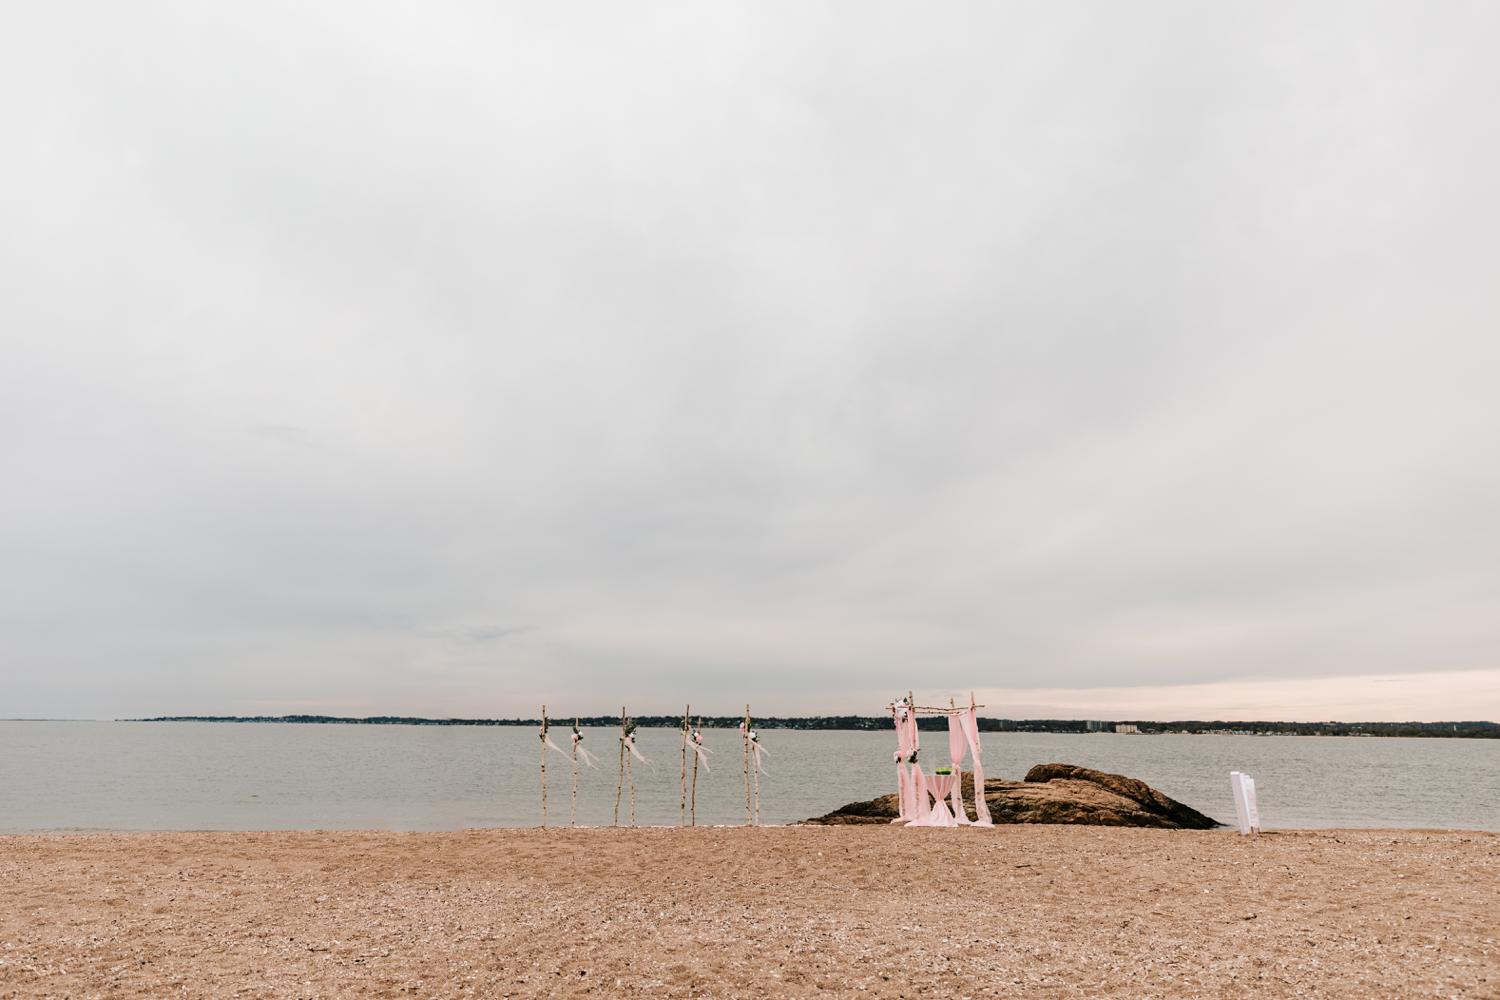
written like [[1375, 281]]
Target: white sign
[[1237, 789], [1245, 809], [1252, 812]]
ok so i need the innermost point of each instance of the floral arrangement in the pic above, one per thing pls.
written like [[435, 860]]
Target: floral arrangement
[[629, 740], [695, 741]]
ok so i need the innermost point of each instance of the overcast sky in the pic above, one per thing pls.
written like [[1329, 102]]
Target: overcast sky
[[1113, 359]]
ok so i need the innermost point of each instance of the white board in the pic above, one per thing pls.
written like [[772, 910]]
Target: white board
[[1252, 811], [1237, 789]]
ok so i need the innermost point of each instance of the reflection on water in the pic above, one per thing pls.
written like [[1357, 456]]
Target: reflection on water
[[190, 776]]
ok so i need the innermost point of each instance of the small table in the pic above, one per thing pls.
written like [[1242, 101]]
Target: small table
[[940, 785]]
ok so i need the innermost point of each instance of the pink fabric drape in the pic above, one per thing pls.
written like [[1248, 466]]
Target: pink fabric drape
[[903, 783], [958, 743], [939, 786], [901, 793], [971, 730], [916, 781], [920, 806]]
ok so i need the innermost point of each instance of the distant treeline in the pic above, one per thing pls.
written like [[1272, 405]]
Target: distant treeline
[[1469, 730]]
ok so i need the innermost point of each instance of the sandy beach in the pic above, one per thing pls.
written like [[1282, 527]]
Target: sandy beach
[[783, 912]]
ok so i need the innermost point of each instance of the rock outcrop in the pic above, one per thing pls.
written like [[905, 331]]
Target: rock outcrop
[[1054, 793]]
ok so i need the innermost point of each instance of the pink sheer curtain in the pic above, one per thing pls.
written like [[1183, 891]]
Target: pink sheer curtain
[[923, 807], [916, 780], [958, 743], [903, 786], [971, 730]]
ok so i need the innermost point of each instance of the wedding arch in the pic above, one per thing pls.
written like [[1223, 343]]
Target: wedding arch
[[944, 785]]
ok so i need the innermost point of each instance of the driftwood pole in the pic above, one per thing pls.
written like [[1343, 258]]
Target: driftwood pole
[[693, 801], [755, 779], [745, 740], [682, 800], [959, 777], [542, 746], [916, 730], [620, 782], [974, 759], [573, 814], [630, 777]]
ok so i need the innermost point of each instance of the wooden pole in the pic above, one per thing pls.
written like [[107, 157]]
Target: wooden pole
[[542, 745], [756, 781], [620, 781], [974, 760], [682, 800], [745, 739], [911, 705], [630, 778], [573, 815], [959, 777], [693, 801]]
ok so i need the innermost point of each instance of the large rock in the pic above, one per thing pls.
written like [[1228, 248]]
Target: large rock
[[1054, 793]]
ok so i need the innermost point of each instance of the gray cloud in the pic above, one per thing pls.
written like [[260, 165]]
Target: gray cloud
[[776, 352]]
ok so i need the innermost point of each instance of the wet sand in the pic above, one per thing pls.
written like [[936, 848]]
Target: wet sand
[[786, 912]]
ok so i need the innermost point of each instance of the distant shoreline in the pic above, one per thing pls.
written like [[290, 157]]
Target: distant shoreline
[[1436, 730]]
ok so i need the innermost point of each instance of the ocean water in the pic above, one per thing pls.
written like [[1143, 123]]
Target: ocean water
[[233, 776]]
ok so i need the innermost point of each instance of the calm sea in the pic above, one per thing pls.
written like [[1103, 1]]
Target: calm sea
[[220, 776]]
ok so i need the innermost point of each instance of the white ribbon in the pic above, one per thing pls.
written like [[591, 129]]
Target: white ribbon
[[695, 743], [583, 754], [629, 742]]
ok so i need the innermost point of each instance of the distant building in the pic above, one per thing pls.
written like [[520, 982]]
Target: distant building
[[1100, 727], [1126, 727]]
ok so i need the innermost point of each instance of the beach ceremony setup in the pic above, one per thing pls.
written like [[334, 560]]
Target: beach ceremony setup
[[692, 749], [927, 795], [928, 798]]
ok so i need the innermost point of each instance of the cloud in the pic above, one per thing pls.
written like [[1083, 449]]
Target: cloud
[[756, 353]]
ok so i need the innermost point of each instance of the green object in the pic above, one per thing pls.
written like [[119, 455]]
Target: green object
[[943, 770]]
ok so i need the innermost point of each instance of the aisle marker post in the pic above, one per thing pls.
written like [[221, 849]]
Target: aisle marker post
[[693, 801], [620, 781], [745, 740], [682, 778]]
